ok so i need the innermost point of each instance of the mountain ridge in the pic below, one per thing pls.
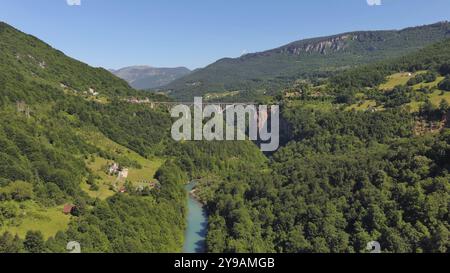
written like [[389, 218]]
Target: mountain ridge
[[33, 70], [147, 77], [313, 57]]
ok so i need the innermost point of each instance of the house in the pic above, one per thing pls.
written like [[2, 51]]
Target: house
[[138, 101], [124, 173], [42, 65], [123, 190], [113, 169], [68, 209], [133, 100], [92, 92]]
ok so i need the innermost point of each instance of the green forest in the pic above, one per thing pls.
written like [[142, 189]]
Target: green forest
[[365, 157], [45, 153], [343, 177]]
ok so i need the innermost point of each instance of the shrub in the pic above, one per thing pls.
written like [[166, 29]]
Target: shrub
[[445, 84]]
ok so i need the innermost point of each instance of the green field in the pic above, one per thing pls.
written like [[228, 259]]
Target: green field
[[436, 97], [402, 79], [104, 183], [429, 84], [362, 106], [137, 176], [398, 79], [32, 216], [220, 95]]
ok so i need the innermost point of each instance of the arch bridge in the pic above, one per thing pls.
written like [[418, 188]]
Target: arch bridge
[[170, 105]]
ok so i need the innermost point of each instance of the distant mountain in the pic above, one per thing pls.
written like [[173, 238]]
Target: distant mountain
[[146, 77], [318, 57]]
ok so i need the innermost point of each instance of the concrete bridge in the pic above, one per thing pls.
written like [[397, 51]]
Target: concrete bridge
[[170, 105]]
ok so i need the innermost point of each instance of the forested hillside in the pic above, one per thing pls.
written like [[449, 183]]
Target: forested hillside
[[434, 57], [62, 125], [351, 171], [32, 70], [349, 179], [265, 72], [365, 156]]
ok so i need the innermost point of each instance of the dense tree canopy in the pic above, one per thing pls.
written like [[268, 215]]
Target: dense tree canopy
[[342, 178]]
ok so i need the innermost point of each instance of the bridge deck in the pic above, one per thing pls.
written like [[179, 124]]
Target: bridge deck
[[204, 103]]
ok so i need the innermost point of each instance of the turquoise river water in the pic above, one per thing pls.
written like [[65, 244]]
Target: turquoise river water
[[197, 224]]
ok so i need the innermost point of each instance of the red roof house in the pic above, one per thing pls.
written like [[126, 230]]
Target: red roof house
[[68, 209]]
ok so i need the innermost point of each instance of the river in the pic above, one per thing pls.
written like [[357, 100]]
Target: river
[[197, 224]]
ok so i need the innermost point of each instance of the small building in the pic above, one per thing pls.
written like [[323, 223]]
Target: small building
[[113, 169], [68, 209], [133, 100], [123, 190], [124, 173]]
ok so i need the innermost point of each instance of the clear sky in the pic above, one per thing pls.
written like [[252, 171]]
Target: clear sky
[[194, 33]]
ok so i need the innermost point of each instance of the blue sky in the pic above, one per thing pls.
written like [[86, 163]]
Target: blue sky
[[194, 33]]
